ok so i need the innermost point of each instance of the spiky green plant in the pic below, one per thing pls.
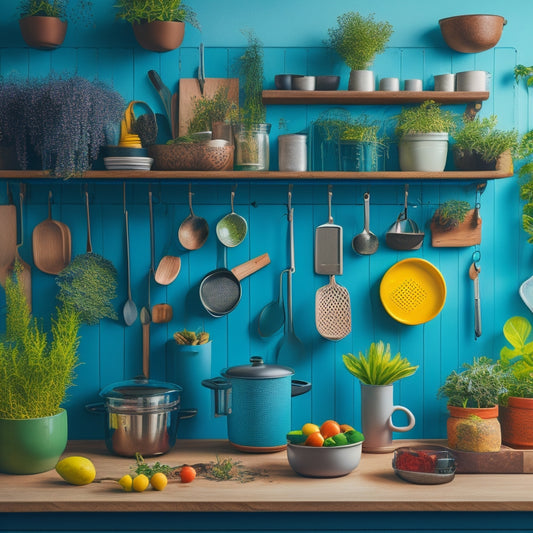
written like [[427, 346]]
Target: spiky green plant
[[377, 367], [43, 8], [358, 39], [35, 371], [451, 213], [428, 117], [207, 111]]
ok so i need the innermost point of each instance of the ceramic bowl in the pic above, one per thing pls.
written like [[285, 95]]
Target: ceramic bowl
[[191, 156], [424, 465], [324, 461], [472, 33], [283, 81], [124, 151], [327, 83]]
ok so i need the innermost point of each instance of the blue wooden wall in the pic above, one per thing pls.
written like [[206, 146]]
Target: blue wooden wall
[[111, 351]]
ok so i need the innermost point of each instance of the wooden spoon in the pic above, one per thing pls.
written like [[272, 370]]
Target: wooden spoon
[[167, 270]]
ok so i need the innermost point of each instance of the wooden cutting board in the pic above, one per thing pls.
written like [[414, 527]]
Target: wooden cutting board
[[467, 233], [189, 89]]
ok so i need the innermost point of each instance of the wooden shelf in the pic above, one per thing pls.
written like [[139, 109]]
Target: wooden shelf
[[371, 98], [258, 176]]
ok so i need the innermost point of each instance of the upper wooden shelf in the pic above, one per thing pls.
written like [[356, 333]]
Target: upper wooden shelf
[[259, 176], [372, 97]]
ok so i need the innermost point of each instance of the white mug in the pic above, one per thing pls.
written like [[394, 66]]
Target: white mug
[[304, 83], [412, 85], [389, 84], [444, 82]]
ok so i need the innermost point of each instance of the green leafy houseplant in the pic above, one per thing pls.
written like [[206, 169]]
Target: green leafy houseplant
[[428, 117], [35, 370], [43, 8], [479, 385], [377, 367], [138, 11], [358, 39], [451, 213], [208, 111]]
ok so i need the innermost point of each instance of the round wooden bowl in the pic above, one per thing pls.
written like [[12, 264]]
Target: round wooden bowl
[[191, 156]]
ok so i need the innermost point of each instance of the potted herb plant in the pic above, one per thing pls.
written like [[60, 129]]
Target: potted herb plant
[[423, 132], [158, 25], [479, 145], [516, 405], [36, 369], [377, 371], [455, 224], [251, 132], [358, 39]]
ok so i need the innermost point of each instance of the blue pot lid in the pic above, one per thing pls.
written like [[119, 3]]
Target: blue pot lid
[[258, 369]]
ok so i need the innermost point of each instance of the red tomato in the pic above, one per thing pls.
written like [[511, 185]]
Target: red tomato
[[329, 428], [187, 474]]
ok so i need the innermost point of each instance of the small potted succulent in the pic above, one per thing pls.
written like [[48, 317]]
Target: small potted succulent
[[472, 401], [358, 39], [423, 132], [158, 25]]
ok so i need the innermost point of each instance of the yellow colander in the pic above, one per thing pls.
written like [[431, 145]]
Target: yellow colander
[[413, 291]]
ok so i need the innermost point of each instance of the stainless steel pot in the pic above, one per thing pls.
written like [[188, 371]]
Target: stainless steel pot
[[142, 416]]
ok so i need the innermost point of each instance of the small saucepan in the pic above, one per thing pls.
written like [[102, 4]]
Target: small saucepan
[[220, 289]]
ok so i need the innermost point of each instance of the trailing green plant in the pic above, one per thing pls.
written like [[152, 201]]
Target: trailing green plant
[[207, 111], [36, 367], [139, 11], [525, 173], [427, 117], [479, 385], [358, 39], [480, 136], [518, 360], [451, 213], [251, 71], [377, 367]]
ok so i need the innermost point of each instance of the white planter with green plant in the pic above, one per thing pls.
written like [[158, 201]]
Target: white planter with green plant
[[358, 39], [423, 133], [377, 372]]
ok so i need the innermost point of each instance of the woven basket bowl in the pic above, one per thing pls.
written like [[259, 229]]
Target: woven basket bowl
[[190, 156]]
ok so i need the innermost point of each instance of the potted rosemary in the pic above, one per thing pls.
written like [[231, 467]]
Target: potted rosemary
[[472, 401], [377, 371], [455, 224], [158, 25], [358, 39], [36, 369], [423, 132]]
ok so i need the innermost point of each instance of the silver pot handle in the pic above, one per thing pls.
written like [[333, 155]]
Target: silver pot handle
[[187, 413], [222, 389], [96, 408]]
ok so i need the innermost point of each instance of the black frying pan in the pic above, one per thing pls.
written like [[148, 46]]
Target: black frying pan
[[220, 289]]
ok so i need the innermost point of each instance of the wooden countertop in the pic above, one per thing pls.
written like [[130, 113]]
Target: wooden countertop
[[373, 486]]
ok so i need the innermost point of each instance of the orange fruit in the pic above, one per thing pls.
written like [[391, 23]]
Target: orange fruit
[[187, 474], [315, 439], [329, 428]]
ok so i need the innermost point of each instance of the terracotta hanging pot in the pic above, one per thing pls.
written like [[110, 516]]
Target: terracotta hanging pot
[[517, 422], [473, 429], [159, 35], [44, 33]]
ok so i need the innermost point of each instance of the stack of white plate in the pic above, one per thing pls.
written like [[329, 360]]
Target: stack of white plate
[[128, 163]]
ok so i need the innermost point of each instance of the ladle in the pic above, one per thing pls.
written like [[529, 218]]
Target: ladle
[[365, 243], [194, 230], [272, 317], [129, 310], [232, 228]]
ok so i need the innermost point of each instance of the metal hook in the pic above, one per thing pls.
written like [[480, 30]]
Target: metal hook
[[476, 258]]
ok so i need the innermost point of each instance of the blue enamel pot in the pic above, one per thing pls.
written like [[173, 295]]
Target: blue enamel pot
[[256, 398]]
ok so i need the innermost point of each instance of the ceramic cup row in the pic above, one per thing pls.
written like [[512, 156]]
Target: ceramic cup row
[[469, 80], [299, 82]]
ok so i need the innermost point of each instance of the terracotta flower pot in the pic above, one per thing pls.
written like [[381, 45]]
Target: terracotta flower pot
[[44, 33], [517, 422], [474, 429], [159, 35]]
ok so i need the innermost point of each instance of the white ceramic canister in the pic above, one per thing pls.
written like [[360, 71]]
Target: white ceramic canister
[[292, 152], [444, 82], [361, 80], [389, 84], [303, 83], [472, 80], [412, 85]]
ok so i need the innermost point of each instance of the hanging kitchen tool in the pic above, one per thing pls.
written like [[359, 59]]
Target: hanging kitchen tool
[[129, 311], [272, 316], [51, 243], [256, 398], [161, 313], [25, 272], [328, 245], [194, 230], [404, 234], [291, 348], [168, 269], [220, 289], [191, 88], [413, 291], [165, 95], [8, 238], [333, 313], [232, 228], [365, 243], [473, 272]]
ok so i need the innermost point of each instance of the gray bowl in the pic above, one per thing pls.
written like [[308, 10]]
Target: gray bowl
[[327, 83], [324, 461]]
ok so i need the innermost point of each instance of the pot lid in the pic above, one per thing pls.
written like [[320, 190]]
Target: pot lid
[[258, 369], [143, 391]]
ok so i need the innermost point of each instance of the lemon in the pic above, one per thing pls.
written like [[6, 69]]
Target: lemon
[[76, 470], [126, 482], [140, 483], [158, 481], [309, 428]]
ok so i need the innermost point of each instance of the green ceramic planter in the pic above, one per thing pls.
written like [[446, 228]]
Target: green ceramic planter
[[33, 445]]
